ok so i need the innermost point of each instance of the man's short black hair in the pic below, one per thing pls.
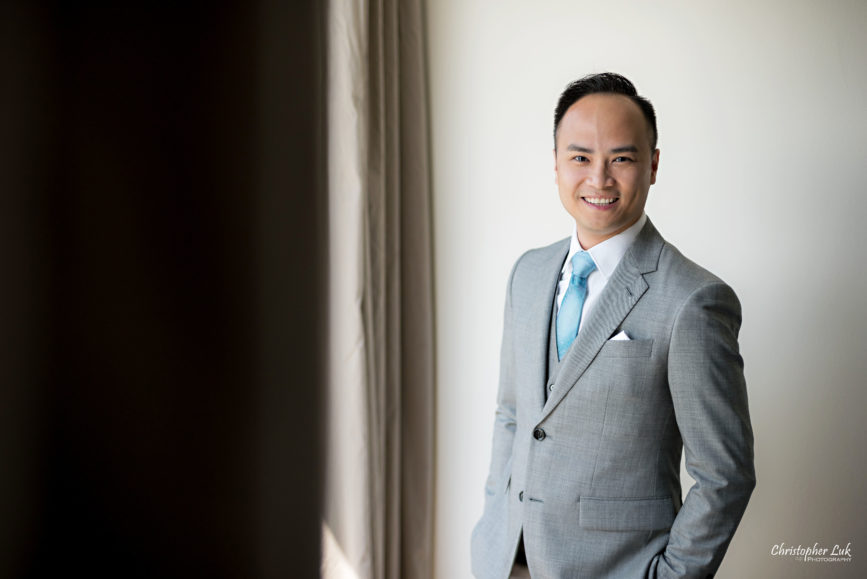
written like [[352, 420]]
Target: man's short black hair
[[606, 82]]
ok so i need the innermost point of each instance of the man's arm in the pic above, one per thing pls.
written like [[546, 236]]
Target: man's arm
[[710, 403], [505, 419]]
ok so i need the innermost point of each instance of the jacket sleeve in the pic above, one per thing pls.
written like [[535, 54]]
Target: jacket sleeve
[[489, 535], [709, 394], [505, 417]]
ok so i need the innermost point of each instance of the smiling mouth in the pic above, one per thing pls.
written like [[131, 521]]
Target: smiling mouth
[[600, 201]]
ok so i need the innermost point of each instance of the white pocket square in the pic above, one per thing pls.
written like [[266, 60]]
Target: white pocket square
[[621, 336]]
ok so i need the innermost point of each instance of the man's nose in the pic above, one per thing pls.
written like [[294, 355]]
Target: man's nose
[[599, 175]]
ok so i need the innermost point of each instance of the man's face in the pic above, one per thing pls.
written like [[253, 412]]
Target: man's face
[[603, 165]]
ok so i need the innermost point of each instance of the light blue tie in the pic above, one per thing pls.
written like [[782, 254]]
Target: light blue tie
[[569, 316]]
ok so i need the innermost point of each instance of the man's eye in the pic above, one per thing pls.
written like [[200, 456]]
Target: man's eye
[[622, 159], [580, 158]]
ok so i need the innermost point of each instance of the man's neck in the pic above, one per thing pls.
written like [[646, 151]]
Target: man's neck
[[588, 241]]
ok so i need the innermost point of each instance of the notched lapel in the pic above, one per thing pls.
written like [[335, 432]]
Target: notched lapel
[[620, 295], [541, 305]]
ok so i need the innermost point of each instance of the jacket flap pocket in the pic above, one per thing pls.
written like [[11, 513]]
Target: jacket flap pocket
[[626, 514]]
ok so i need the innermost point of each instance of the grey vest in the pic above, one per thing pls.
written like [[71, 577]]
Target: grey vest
[[553, 359]]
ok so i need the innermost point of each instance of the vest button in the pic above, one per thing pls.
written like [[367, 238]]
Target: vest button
[[521, 496], [539, 434], [550, 387]]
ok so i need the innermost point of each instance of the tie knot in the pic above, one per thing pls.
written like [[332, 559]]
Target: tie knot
[[582, 264]]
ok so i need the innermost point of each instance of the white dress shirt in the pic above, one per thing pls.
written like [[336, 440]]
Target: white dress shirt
[[606, 256]]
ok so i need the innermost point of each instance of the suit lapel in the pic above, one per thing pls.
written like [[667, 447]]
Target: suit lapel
[[541, 310], [620, 295]]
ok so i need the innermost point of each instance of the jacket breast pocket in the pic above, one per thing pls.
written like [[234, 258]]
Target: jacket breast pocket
[[651, 514], [626, 349]]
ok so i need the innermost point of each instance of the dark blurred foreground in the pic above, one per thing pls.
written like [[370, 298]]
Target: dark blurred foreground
[[161, 247]]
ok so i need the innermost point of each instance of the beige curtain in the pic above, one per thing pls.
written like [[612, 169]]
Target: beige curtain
[[378, 516]]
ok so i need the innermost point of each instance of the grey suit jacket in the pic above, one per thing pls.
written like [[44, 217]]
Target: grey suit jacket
[[591, 477]]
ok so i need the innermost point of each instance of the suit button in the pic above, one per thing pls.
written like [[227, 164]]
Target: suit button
[[521, 496], [539, 434], [550, 387]]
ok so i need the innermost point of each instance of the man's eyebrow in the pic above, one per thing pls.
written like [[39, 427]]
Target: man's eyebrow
[[625, 149]]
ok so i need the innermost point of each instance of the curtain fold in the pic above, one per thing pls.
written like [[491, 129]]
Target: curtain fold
[[379, 478]]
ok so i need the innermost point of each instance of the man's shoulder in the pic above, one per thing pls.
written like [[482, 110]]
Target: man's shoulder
[[677, 270], [539, 259], [538, 266], [654, 255], [545, 254]]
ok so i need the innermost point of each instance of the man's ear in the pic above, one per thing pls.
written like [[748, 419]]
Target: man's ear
[[555, 166], [654, 166]]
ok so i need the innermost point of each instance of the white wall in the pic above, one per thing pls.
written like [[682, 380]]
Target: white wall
[[763, 133]]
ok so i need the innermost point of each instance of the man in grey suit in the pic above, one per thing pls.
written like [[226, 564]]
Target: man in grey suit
[[618, 354]]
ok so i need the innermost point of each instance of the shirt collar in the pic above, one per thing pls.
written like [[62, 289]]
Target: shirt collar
[[607, 254]]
